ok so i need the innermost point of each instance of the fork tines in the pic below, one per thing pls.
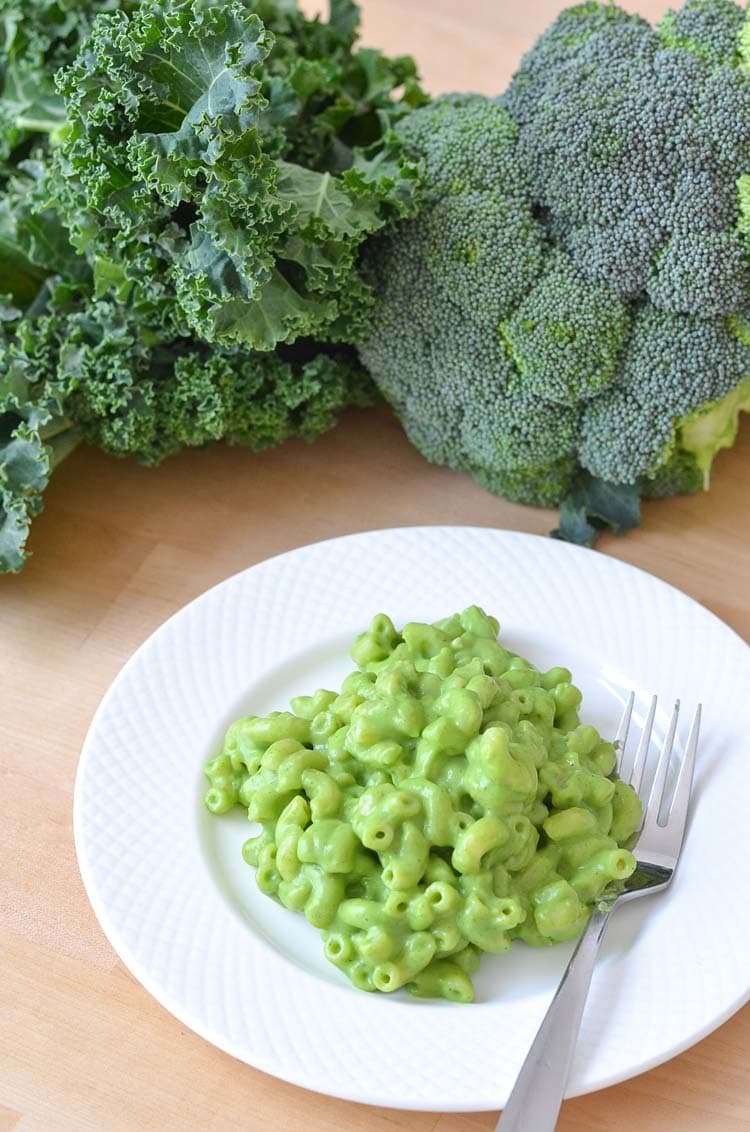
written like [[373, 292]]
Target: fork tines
[[675, 816]]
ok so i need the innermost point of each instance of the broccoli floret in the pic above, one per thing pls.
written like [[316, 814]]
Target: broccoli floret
[[464, 142], [522, 449], [702, 273], [697, 440], [566, 335], [675, 368], [680, 475], [707, 28], [446, 282], [633, 140]]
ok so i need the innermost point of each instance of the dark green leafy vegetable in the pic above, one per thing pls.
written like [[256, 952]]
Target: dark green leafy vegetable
[[35, 435], [183, 190], [36, 38], [76, 367], [238, 161]]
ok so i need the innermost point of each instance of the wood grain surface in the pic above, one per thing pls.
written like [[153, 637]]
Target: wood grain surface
[[83, 1048]]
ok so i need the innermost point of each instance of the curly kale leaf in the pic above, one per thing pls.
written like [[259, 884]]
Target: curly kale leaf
[[36, 38], [35, 435], [236, 160], [76, 367], [33, 242], [132, 396]]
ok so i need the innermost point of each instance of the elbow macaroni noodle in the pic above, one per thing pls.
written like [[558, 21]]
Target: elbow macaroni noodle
[[446, 802]]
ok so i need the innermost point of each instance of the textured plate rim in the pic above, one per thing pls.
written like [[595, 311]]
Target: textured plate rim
[[186, 1016]]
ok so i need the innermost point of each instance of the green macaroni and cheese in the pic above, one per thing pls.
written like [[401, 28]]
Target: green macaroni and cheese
[[444, 803]]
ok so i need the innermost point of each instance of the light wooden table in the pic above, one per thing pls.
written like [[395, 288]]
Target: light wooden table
[[83, 1047]]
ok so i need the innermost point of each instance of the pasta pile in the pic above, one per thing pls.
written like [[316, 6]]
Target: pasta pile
[[446, 802]]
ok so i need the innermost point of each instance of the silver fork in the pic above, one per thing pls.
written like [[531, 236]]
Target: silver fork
[[534, 1103]]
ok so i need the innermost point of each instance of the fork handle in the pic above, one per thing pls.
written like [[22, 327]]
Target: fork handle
[[534, 1104]]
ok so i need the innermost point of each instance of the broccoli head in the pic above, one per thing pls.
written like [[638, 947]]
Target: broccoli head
[[571, 305]]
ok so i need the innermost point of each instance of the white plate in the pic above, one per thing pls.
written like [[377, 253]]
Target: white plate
[[181, 908]]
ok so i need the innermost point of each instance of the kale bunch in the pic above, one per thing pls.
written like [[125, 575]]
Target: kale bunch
[[184, 186]]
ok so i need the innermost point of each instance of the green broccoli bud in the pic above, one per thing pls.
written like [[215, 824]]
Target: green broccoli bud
[[566, 336], [679, 475]]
